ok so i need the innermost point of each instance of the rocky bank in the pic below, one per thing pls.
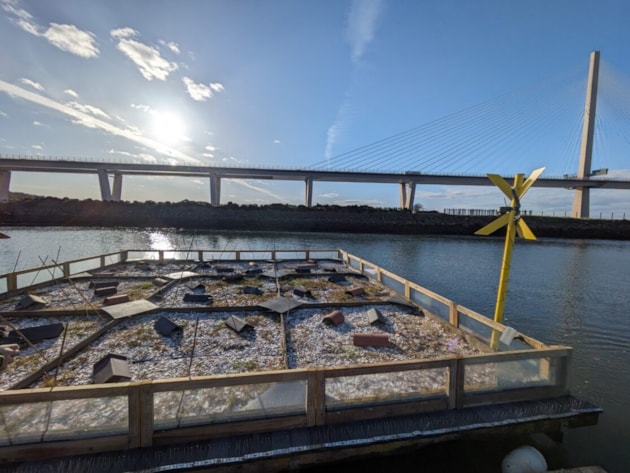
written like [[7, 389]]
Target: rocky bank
[[50, 211]]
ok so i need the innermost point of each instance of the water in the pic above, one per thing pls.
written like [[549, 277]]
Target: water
[[570, 292]]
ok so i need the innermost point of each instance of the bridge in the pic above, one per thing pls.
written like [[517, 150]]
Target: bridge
[[371, 158]]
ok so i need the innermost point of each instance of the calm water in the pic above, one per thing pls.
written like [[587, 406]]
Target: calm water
[[572, 292]]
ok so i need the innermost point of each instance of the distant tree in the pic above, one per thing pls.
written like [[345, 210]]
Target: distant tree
[[418, 207]]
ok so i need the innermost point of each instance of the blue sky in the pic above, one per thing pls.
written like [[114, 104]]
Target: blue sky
[[290, 83]]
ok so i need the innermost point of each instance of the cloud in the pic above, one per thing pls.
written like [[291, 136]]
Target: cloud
[[21, 17], [90, 121], [330, 195], [39, 147], [71, 93], [171, 45], [201, 92], [336, 128], [73, 40], [97, 112], [3, 114], [276, 142], [68, 38], [210, 148], [148, 59], [249, 185], [33, 84], [144, 108], [36, 123], [362, 24]]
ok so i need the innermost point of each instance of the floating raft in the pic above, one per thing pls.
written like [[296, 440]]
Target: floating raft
[[364, 390]]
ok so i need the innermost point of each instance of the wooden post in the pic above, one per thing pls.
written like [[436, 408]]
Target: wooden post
[[555, 370], [11, 282], [134, 415], [161, 256], [453, 314], [124, 256], [146, 414], [407, 290], [456, 371], [315, 397]]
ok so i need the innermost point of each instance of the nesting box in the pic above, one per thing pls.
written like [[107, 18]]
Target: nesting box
[[199, 298], [105, 291], [337, 278], [237, 324], [117, 299], [100, 284], [30, 301], [112, 368], [166, 327], [252, 290], [302, 292], [159, 282], [356, 291], [375, 316], [334, 318], [370, 339]]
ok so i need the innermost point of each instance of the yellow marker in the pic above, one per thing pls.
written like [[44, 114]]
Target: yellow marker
[[515, 225]]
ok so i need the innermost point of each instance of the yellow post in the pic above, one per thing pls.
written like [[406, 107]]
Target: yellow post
[[514, 224]]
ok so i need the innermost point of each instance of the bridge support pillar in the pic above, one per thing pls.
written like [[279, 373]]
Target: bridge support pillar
[[407, 194], [117, 193], [411, 195], [103, 180], [308, 195], [403, 195], [5, 182], [215, 189]]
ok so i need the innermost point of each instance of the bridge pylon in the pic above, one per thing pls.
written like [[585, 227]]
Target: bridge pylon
[[581, 200]]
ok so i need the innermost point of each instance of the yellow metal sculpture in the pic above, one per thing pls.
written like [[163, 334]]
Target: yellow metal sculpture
[[511, 218]]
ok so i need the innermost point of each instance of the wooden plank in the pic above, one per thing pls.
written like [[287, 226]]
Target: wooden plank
[[190, 434], [513, 395], [49, 450], [364, 412], [517, 355]]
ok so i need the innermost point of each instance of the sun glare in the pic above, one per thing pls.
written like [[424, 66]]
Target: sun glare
[[168, 127]]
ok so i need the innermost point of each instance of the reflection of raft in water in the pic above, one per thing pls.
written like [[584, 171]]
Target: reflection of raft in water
[[298, 413], [2, 235]]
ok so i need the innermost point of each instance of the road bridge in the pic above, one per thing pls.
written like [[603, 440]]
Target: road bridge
[[406, 181]]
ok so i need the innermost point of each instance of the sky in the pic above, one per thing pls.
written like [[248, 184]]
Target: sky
[[296, 83]]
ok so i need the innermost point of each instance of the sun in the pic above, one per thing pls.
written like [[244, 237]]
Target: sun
[[168, 127]]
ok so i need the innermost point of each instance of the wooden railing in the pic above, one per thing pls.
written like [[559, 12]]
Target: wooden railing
[[74, 420], [49, 422]]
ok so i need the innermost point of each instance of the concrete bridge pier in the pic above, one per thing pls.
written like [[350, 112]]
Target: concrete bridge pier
[[215, 189], [5, 182], [403, 194], [117, 192], [308, 196], [103, 180], [407, 194]]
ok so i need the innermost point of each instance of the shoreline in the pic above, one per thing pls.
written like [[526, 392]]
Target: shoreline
[[51, 211]]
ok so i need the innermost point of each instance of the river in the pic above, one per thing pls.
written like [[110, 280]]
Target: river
[[570, 292]]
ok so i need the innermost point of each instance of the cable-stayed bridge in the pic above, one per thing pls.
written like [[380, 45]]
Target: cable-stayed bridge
[[540, 125]]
